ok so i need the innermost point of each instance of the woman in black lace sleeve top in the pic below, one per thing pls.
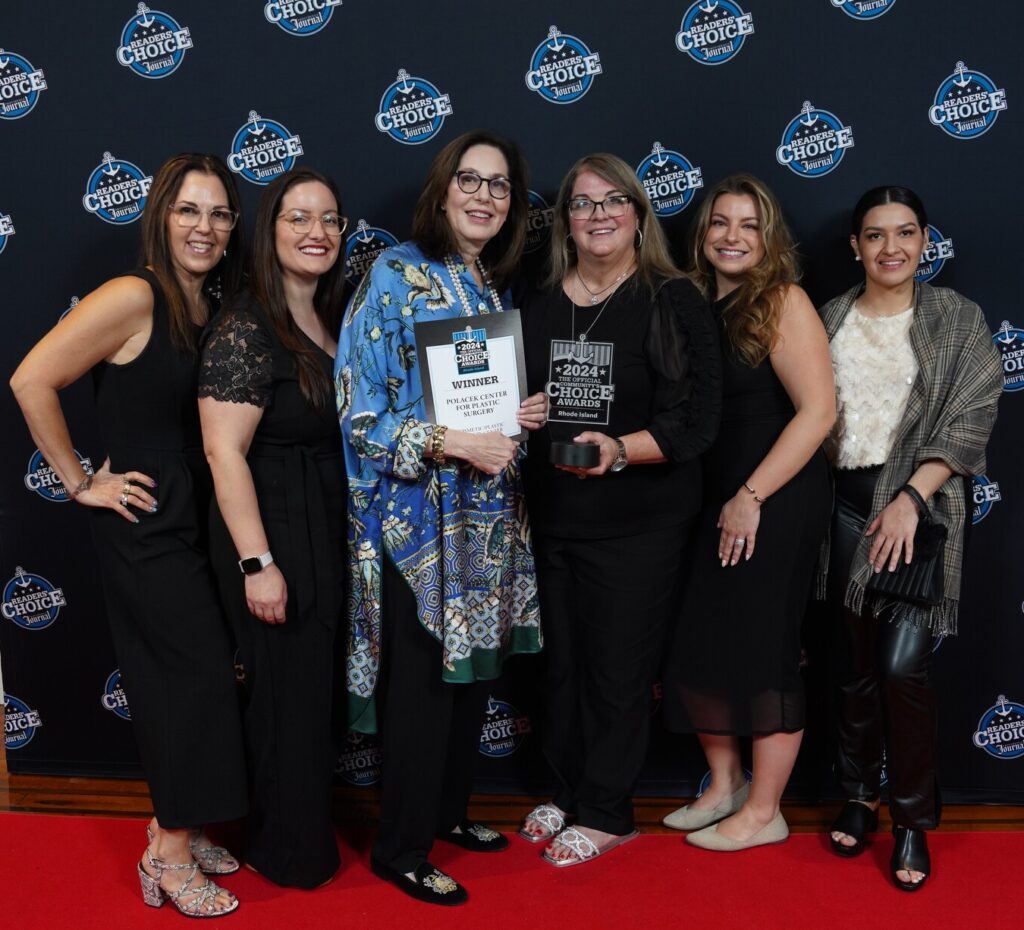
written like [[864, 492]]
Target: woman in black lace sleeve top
[[272, 440]]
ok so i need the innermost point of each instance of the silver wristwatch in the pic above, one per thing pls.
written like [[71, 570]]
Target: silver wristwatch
[[620, 457]]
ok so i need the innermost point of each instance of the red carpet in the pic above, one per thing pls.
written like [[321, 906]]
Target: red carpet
[[77, 873]]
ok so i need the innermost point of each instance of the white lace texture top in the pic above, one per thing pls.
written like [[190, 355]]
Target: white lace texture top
[[874, 368]]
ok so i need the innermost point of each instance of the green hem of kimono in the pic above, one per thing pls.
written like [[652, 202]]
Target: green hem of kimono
[[483, 665]]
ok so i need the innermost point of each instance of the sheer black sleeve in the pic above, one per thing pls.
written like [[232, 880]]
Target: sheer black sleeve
[[682, 346], [236, 360]]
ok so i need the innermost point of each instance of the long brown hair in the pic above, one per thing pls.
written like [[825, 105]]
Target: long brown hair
[[226, 277], [752, 315], [431, 230], [653, 260], [265, 283]]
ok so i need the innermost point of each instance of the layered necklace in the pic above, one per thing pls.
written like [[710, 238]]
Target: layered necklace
[[595, 296], [451, 266]]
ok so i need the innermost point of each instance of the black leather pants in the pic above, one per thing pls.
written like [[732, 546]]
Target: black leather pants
[[886, 699]]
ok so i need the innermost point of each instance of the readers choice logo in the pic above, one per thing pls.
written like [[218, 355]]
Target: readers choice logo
[[504, 729], [20, 722], [539, 218], [985, 494], [1001, 730], [1009, 341], [30, 601], [864, 9], [937, 251], [966, 104], [471, 350], [20, 85], [153, 45], [6, 230], [262, 149], [42, 479], [814, 142], [114, 698], [300, 17], [562, 68], [669, 179], [364, 247], [412, 110], [713, 32], [360, 761], [116, 191]]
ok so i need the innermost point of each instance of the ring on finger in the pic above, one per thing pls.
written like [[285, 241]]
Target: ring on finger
[[124, 500], [126, 488], [740, 542]]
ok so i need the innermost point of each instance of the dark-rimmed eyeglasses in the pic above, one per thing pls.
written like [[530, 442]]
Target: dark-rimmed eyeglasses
[[583, 208], [469, 183], [301, 223], [189, 215]]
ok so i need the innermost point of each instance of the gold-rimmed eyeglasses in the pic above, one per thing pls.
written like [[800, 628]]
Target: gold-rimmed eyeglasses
[[301, 223], [190, 215]]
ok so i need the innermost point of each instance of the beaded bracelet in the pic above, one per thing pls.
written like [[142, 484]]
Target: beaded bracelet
[[760, 500], [437, 444], [83, 485]]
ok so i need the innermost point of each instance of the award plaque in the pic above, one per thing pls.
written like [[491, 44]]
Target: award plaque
[[474, 372], [575, 454]]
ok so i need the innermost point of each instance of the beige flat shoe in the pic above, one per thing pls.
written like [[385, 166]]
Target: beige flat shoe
[[776, 831], [685, 818]]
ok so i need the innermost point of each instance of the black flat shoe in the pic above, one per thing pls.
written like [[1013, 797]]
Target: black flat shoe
[[856, 820], [430, 884], [475, 837], [911, 854]]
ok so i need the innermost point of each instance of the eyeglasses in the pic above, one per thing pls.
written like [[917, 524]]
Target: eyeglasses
[[302, 223], [583, 208], [189, 215], [469, 183]]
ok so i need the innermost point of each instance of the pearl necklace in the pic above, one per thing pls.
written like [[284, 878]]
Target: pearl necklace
[[460, 291], [595, 296]]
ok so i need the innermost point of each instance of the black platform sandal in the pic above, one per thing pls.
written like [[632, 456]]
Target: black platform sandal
[[910, 854], [856, 820]]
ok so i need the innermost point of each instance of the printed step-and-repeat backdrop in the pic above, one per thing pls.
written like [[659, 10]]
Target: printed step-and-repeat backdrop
[[821, 98]]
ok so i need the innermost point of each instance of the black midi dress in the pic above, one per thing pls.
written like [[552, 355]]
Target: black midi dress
[[169, 633]]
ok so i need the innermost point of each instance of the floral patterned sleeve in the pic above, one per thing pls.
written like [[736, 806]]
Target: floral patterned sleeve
[[236, 360]]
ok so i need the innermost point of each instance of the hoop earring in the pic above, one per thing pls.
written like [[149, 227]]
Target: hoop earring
[[640, 233], [570, 243], [856, 258]]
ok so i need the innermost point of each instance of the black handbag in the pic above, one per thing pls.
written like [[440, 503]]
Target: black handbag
[[921, 582]]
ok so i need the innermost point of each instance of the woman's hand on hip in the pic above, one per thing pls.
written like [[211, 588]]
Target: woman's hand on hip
[[119, 492], [533, 412], [266, 594], [738, 521], [894, 530]]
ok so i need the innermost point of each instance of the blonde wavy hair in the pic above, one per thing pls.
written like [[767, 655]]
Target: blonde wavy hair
[[751, 316]]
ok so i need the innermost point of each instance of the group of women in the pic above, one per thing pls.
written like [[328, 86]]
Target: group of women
[[678, 517]]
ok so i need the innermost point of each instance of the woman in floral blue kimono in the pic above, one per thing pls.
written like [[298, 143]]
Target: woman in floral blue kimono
[[442, 583]]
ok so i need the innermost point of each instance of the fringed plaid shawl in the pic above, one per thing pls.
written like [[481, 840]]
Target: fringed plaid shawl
[[949, 416]]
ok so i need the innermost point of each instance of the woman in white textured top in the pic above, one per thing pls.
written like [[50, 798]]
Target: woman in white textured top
[[917, 382]]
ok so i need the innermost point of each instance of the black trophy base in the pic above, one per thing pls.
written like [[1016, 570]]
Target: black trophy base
[[575, 454]]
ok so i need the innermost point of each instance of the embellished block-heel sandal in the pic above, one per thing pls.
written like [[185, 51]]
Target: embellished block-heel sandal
[[196, 896], [213, 860]]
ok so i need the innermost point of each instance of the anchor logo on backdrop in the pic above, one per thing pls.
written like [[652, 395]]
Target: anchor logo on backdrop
[[864, 9], [713, 33], [6, 230], [30, 601], [116, 191], [814, 142], [20, 85], [504, 729], [114, 698], [363, 247], [412, 110], [539, 218], [669, 179], [300, 17], [967, 103], [42, 479], [71, 306], [1001, 730], [20, 722], [153, 45], [985, 494], [262, 149], [360, 761], [562, 68], [1009, 340], [937, 251]]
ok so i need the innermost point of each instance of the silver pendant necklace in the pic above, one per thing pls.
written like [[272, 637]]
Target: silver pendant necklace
[[581, 338], [595, 296], [460, 291]]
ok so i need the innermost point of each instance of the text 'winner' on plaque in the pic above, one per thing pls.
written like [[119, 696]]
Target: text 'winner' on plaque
[[474, 372]]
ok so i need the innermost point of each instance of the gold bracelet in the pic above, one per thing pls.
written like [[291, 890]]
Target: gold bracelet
[[437, 444], [760, 500]]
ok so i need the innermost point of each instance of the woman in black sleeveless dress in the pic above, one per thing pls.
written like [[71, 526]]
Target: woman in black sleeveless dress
[[139, 334], [271, 433], [734, 668]]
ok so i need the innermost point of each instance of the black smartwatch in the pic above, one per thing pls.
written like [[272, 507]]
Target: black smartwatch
[[255, 564]]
